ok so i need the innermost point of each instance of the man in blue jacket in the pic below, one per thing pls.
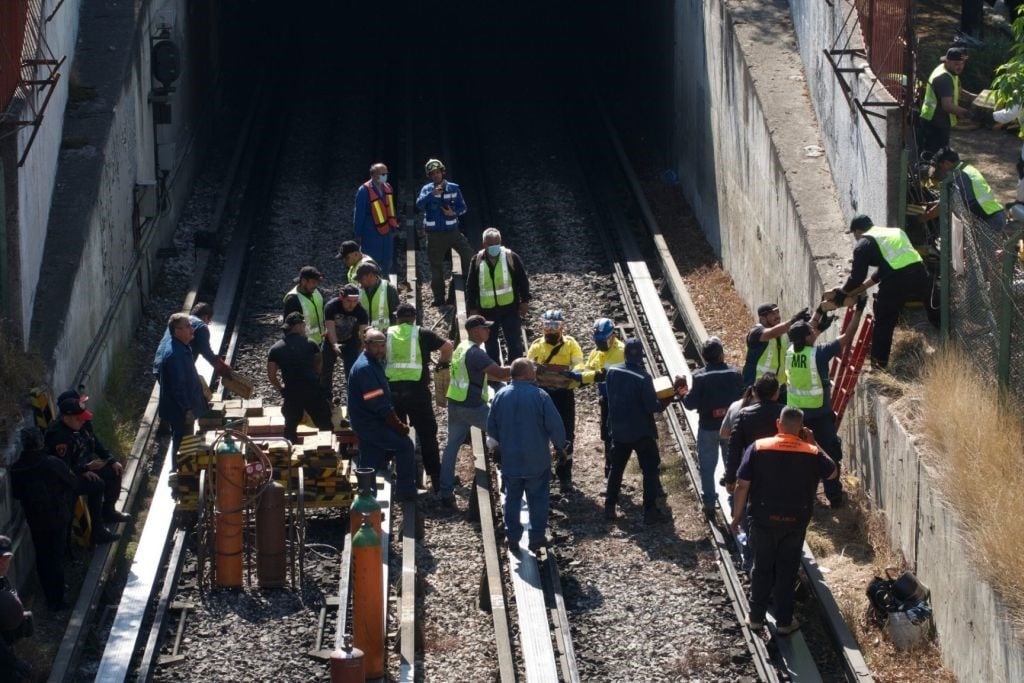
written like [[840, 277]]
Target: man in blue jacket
[[442, 203], [181, 393], [522, 421], [371, 411], [375, 221]]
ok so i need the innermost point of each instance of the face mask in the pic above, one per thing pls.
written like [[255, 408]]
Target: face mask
[[552, 337], [383, 177], [494, 250], [602, 345]]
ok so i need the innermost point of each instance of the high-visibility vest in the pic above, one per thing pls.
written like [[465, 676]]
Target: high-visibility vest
[[982, 191], [382, 211], [353, 269], [404, 361], [312, 311], [771, 359], [931, 102], [376, 307], [895, 246], [496, 290], [805, 388], [458, 386]]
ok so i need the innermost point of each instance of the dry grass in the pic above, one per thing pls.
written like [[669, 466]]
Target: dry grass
[[19, 372], [976, 435]]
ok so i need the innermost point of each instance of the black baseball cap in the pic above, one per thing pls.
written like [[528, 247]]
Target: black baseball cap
[[292, 319], [474, 321], [947, 154], [800, 331], [366, 269], [634, 349], [72, 406], [765, 309], [954, 54], [310, 273], [348, 247], [349, 290]]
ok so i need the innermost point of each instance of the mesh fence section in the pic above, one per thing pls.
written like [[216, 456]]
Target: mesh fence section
[[986, 297]]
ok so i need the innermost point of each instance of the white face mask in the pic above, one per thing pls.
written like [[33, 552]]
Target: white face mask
[[494, 250], [383, 177]]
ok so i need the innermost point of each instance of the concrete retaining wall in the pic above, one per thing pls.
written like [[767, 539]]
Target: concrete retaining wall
[[866, 172], [977, 639]]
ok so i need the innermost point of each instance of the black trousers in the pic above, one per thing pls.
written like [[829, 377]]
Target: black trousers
[[330, 359], [565, 404], [415, 405], [648, 458], [102, 494], [304, 399], [824, 428], [907, 284], [777, 550], [51, 544], [602, 404], [931, 138]]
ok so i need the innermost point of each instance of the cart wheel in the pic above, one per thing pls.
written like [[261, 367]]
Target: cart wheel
[[202, 534], [300, 527]]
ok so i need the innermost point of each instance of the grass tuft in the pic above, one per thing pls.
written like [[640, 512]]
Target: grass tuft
[[977, 436], [19, 372]]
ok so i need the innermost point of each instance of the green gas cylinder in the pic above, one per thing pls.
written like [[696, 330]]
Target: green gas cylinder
[[365, 502]]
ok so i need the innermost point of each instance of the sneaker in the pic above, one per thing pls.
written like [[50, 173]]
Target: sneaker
[[115, 517], [792, 627], [655, 516], [101, 536], [754, 624]]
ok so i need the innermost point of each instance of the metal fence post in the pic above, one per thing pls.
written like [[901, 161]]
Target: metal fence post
[[945, 254], [1006, 309]]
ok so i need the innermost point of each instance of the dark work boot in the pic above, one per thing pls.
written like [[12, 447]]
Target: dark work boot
[[101, 536]]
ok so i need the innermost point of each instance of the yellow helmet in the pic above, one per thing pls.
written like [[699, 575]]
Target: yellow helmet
[[433, 165]]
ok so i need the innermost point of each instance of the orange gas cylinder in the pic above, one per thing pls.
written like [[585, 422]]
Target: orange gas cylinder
[[347, 664], [270, 537], [365, 502], [368, 598], [228, 530]]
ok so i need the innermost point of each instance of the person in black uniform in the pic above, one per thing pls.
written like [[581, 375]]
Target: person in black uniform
[[901, 274], [345, 321], [298, 360], [777, 481], [46, 488], [411, 396], [752, 423], [15, 621], [97, 472]]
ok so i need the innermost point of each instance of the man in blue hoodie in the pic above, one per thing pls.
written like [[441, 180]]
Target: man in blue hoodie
[[522, 421]]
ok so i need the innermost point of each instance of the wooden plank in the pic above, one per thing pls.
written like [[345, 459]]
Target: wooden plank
[[495, 584], [407, 665], [147, 563]]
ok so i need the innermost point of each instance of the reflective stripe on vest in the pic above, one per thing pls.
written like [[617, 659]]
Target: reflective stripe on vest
[[895, 246], [805, 390], [496, 291], [458, 386], [377, 307], [404, 362], [383, 214], [931, 102], [312, 311], [982, 191], [449, 221], [770, 359]]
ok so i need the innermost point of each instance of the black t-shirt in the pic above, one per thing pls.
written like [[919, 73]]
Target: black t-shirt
[[943, 87], [429, 342], [294, 355], [346, 323]]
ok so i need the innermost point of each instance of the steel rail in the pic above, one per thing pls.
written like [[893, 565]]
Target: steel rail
[[856, 668], [102, 562]]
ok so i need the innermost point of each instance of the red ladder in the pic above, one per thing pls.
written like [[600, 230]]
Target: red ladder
[[846, 369]]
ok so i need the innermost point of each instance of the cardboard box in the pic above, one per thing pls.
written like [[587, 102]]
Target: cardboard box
[[663, 387]]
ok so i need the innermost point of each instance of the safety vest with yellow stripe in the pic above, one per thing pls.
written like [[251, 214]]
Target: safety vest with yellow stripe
[[382, 211], [312, 311], [376, 307], [771, 359], [458, 387], [496, 289], [404, 361], [982, 191], [895, 246], [805, 389], [930, 102]]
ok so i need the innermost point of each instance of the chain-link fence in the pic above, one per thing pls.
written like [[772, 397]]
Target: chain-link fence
[[983, 290]]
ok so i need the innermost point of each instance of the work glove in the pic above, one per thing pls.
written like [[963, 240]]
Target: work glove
[[680, 385], [825, 322], [560, 458], [574, 376], [221, 367], [862, 301], [601, 375], [396, 424], [804, 315]]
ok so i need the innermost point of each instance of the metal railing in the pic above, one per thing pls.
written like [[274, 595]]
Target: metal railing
[[888, 36], [983, 290]]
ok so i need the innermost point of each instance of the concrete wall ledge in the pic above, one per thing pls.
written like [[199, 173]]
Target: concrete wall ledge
[[977, 638]]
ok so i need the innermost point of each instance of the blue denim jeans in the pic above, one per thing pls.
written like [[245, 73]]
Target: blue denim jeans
[[537, 490], [460, 420], [373, 452], [709, 452]]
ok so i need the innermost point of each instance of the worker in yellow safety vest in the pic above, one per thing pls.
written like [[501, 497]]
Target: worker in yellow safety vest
[[306, 299], [941, 105], [972, 187], [498, 288], [352, 256], [377, 296]]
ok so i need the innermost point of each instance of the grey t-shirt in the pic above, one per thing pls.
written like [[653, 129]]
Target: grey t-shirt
[[476, 360]]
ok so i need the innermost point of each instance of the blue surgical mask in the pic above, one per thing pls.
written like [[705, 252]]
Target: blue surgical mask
[[383, 177], [494, 250]]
